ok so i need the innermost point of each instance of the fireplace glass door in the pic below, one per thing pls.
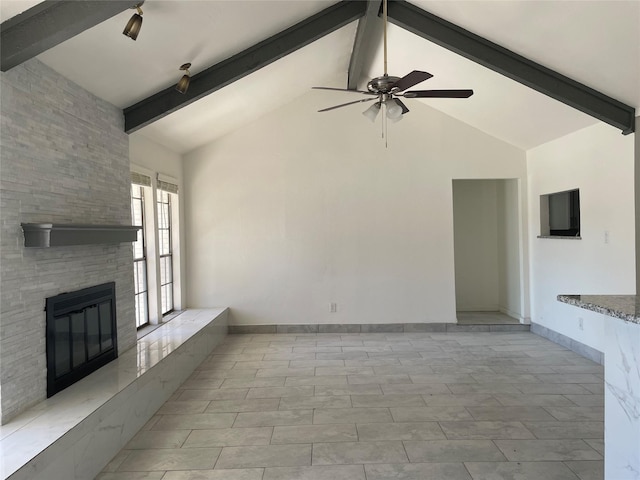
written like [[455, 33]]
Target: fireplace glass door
[[81, 334]]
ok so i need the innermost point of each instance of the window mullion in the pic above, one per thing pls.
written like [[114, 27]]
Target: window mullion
[[153, 256]]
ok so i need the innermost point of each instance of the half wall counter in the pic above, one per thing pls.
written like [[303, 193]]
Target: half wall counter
[[621, 378]]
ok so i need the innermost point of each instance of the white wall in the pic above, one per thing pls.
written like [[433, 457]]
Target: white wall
[[149, 157], [600, 162], [301, 209], [511, 253]]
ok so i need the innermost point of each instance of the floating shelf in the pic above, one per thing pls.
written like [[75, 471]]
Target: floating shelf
[[44, 235]]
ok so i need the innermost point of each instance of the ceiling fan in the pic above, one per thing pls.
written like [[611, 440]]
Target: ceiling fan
[[387, 89]]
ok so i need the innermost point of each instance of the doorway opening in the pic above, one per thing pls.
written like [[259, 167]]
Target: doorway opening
[[486, 222]]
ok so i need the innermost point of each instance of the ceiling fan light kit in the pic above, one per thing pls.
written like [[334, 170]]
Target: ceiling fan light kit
[[183, 84], [132, 29], [394, 111], [372, 112]]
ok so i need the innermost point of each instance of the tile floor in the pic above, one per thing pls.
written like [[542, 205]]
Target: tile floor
[[409, 406]]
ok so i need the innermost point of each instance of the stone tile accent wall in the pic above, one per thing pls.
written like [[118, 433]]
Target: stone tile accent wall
[[64, 158]]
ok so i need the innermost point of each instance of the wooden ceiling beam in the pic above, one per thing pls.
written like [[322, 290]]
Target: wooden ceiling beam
[[242, 64], [364, 36], [49, 23], [512, 65]]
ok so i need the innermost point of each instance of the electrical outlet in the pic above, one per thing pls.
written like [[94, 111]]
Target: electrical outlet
[[606, 236], [580, 323], [334, 307]]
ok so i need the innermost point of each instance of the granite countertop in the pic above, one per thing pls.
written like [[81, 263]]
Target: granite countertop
[[625, 307]]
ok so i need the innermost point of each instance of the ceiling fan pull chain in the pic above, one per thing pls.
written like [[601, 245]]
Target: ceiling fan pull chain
[[385, 120]]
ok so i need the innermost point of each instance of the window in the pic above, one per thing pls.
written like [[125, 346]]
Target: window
[[156, 252], [139, 258], [560, 214], [165, 251]]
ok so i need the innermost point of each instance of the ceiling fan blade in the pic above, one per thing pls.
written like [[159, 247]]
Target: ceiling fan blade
[[402, 105], [345, 104], [438, 94], [344, 90], [410, 80]]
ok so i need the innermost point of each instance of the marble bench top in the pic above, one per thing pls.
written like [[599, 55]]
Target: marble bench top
[[625, 307], [74, 409]]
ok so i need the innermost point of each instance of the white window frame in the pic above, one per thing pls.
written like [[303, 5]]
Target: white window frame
[[152, 246]]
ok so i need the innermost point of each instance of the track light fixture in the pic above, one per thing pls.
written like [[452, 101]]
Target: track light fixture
[[183, 84], [132, 29]]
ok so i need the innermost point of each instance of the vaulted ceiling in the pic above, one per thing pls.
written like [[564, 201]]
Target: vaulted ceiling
[[596, 43]]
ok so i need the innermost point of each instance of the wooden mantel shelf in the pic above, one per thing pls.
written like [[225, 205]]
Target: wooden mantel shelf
[[44, 235]]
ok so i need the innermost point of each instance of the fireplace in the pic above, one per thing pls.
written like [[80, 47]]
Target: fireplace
[[81, 334]]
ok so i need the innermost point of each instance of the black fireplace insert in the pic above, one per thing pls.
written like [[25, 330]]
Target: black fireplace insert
[[81, 334]]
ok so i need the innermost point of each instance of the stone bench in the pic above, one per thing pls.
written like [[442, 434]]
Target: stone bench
[[75, 433]]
